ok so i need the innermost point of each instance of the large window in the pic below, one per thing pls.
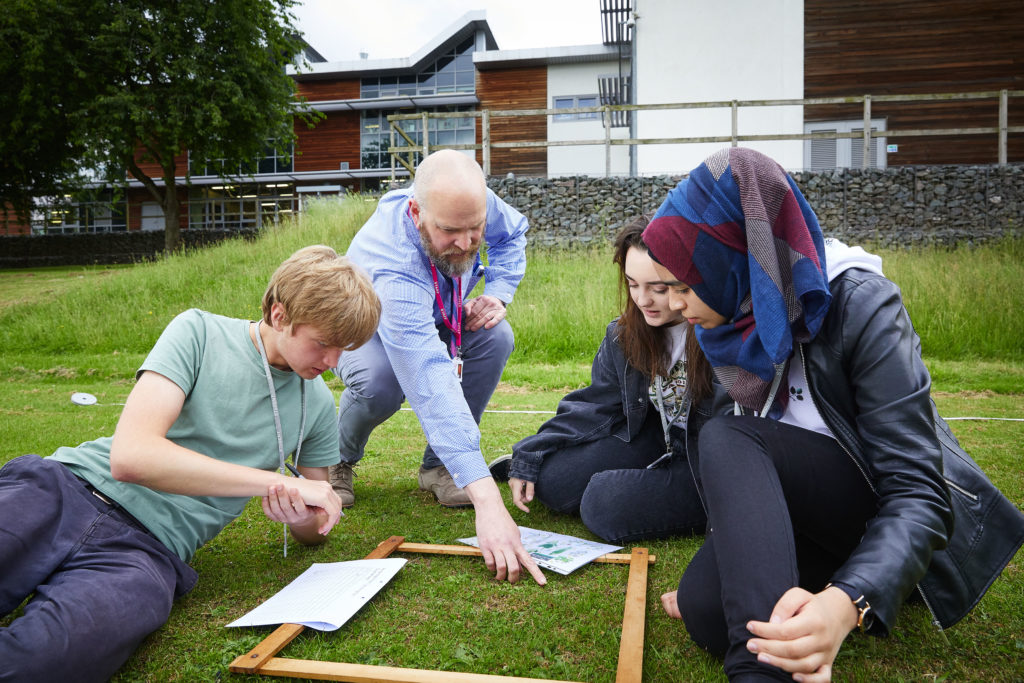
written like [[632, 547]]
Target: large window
[[452, 72], [69, 215], [240, 206], [272, 161], [572, 102], [822, 154], [376, 134]]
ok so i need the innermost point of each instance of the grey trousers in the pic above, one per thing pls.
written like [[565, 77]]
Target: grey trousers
[[372, 393]]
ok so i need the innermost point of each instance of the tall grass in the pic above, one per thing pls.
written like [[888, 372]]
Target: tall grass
[[126, 311], [967, 304]]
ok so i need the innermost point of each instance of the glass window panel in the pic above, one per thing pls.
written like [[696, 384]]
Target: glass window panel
[[464, 62], [563, 103], [285, 165], [445, 137], [370, 90], [407, 85], [465, 80], [266, 165], [445, 80], [465, 137], [445, 64]]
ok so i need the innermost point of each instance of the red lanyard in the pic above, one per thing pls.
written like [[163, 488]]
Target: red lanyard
[[456, 344]]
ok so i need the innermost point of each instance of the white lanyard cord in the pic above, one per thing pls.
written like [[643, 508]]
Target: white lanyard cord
[[277, 416]]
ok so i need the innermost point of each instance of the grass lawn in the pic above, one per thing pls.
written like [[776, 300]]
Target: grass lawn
[[70, 330]]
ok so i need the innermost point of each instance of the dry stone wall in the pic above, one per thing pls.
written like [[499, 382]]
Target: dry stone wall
[[901, 206]]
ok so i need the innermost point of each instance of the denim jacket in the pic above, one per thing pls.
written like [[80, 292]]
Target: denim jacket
[[614, 404]]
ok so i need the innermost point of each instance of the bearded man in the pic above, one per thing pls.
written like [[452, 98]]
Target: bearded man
[[435, 347]]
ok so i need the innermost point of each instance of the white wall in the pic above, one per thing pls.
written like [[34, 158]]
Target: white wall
[[581, 79], [702, 51]]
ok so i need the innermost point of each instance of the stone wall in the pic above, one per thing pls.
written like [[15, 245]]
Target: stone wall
[[900, 206]]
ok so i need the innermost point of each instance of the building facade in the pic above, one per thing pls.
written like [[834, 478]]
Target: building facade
[[654, 52]]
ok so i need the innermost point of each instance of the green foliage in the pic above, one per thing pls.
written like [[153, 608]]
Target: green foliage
[[130, 81], [48, 77]]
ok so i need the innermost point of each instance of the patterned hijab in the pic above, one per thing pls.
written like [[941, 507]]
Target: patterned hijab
[[741, 235]]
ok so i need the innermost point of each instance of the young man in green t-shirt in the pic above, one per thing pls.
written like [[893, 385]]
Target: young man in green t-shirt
[[101, 533]]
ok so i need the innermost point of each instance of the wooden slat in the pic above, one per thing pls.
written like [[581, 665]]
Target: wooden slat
[[631, 646], [468, 550], [366, 673], [254, 660]]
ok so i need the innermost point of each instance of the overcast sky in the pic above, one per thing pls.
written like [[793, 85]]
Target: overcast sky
[[387, 29]]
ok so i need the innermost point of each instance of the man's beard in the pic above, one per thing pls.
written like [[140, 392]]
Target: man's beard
[[451, 264]]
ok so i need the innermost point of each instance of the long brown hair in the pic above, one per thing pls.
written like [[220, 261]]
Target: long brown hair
[[644, 346]]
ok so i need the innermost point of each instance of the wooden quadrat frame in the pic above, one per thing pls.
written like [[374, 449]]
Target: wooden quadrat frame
[[262, 659]]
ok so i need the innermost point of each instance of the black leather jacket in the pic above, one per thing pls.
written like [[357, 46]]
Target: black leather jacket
[[941, 524], [614, 404]]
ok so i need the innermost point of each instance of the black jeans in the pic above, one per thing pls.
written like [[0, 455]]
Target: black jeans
[[786, 507], [607, 482]]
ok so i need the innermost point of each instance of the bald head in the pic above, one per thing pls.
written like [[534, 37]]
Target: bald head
[[449, 208], [449, 175]]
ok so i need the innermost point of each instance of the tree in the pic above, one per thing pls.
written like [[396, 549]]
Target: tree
[[49, 81], [174, 76]]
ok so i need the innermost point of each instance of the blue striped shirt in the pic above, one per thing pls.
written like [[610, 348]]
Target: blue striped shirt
[[388, 248]]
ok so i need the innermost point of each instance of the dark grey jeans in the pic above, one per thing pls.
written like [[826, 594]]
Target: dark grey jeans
[[101, 583], [787, 507], [608, 484]]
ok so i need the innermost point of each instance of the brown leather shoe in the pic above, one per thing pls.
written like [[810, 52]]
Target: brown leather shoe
[[340, 476], [440, 483]]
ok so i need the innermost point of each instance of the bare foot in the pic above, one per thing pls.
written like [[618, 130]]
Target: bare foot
[[669, 602]]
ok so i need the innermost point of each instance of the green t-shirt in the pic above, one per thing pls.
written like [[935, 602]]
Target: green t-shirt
[[226, 415]]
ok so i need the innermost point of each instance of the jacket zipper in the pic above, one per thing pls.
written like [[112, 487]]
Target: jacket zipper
[[961, 489]]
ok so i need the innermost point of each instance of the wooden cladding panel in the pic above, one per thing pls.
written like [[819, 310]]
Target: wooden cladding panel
[[153, 170], [333, 140], [522, 88], [329, 89], [881, 47]]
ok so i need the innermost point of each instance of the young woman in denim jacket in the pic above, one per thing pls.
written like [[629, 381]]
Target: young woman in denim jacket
[[615, 452], [839, 490]]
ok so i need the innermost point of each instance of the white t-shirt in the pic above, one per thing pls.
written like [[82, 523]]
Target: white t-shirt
[[673, 386]]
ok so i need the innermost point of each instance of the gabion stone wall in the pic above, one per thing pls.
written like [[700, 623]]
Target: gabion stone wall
[[900, 206]]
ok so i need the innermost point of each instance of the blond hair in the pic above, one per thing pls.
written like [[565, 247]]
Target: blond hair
[[318, 287]]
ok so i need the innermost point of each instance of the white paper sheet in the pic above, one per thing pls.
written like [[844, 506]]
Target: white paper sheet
[[326, 595], [557, 552]]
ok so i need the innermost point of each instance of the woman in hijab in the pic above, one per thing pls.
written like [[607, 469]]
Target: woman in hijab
[[835, 489]]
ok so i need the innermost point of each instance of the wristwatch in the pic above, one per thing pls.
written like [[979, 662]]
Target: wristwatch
[[865, 617]]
